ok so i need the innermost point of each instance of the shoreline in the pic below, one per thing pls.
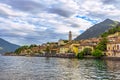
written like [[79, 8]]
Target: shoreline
[[69, 57], [111, 58]]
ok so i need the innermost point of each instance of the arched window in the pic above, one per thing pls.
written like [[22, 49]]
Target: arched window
[[117, 47]]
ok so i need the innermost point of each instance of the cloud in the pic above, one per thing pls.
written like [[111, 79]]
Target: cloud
[[6, 11], [40, 21], [64, 8], [61, 12], [101, 9], [24, 5], [109, 1]]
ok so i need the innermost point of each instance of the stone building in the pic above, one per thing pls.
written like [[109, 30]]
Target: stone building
[[70, 36]]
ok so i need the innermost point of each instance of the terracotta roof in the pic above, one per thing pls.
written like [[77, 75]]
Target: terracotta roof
[[114, 40], [88, 44], [65, 46]]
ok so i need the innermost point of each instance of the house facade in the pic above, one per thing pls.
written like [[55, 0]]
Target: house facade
[[113, 49], [74, 48], [91, 43], [64, 49]]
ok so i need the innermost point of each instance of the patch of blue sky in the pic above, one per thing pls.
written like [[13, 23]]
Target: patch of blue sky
[[88, 19], [81, 31]]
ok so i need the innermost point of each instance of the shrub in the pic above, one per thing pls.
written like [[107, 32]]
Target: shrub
[[97, 53], [102, 44], [87, 51], [80, 55]]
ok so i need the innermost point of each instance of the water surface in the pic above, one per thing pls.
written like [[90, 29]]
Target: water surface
[[41, 68]]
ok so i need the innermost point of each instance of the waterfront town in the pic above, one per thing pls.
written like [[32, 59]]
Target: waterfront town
[[71, 47]]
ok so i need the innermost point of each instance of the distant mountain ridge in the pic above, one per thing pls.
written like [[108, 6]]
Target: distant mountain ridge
[[97, 29], [6, 46]]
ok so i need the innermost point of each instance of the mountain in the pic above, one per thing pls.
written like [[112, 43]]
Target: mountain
[[5, 46], [97, 29]]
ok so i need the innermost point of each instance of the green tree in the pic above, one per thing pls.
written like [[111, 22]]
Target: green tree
[[22, 48], [80, 55], [102, 44], [32, 45], [111, 31], [105, 34], [29, 51], [97, 53], [87, 51], [48, 49]]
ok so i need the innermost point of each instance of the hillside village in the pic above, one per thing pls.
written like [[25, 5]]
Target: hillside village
[[101, 39], [72, 47]]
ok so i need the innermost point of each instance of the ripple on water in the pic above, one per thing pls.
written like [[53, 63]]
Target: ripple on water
[[40, 68]]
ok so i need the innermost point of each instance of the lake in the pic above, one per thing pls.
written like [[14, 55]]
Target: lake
[[42, 68]]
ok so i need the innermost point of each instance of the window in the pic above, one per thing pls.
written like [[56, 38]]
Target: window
[[108, 48], [117, 47]]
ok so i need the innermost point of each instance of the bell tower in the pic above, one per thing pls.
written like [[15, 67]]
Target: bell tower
[[70, 36]]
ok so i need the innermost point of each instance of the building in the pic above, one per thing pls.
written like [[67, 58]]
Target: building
[[64, 49], [113, 49], [90, 43], [86, 45], [70, 36], [54, 50], [113, 46], [74, 48], [62, 42]]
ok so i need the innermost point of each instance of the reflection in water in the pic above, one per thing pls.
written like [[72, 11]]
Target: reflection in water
[[40, 68], [113, 65], [113, 69]]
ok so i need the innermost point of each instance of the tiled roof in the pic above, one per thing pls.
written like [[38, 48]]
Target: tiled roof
[[114, 40]]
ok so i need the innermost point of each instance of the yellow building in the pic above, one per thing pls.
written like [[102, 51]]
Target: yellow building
[[69, 48], [90, 45], [54, 50], [62, 42], [64, 49], [82, 47], [113, 49], [74, 48]]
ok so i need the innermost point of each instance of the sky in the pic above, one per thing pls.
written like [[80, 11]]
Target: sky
[[40, 21]]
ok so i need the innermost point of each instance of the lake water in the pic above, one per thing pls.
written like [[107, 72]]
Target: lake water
[[41, 68]]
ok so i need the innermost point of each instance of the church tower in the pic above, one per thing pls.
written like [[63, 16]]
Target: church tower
[[70, 36]]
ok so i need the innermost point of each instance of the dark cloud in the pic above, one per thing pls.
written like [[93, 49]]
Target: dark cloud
[[75, 25], [60, 11], [36, 37], [97, 15], [34, 7], [3, 14], [116, 3], [109, 1], [25, 5], [8, 33]]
